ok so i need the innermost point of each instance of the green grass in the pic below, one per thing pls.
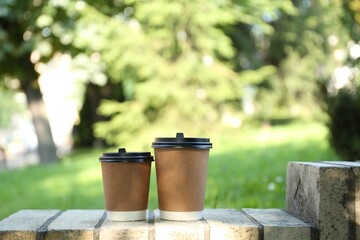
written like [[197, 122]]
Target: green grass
[[247, 168]]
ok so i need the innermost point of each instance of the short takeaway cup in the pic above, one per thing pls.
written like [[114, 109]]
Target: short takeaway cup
[[126, 181]]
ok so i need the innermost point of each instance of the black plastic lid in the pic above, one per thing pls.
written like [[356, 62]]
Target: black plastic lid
[[123, 156], [181, 142]]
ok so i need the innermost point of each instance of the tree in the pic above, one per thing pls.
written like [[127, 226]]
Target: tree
[[344, 115], [343, 100], [252, 37], [94, 94], [351, 18], [175, 63], [20, 36], [302, 49], [41, 29], [31, 33]]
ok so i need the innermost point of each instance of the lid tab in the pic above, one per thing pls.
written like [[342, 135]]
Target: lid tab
[[179, 135], [121, 150]]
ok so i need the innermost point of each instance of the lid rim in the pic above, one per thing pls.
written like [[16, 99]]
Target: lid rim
[[123, 156], [126, 156], [129, 159], [184, 143], [197, 140], [182, 146], [126, 160]]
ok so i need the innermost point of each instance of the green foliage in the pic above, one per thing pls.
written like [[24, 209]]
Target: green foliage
[[176, 66], [342, 105], [303, 54], [126, 119], [31, 32], [352, 18], [13, 19], [343, 109], [182, 63]]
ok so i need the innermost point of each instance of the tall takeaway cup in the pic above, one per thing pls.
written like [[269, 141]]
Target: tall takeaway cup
[[181, 170], [126, 181]]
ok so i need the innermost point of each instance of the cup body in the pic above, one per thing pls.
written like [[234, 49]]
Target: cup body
[[181, 182], [126, 188], [181, 172]]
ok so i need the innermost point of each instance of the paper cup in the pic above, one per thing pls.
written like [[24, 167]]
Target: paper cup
[[126, 180], [181, 172]]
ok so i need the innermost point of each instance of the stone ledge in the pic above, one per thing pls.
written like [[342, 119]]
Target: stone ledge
[[327, 196], [249, 224], [277, 224], [26, 224]]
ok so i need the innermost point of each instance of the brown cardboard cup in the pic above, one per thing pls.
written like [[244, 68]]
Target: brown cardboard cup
[[126, 180], [181, 172]]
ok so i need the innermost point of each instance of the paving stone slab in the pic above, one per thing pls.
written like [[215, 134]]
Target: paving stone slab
[[168, 230], [75, 224], [279, 225], [137, 230], [323, 195], [25, 224], [230, 224]]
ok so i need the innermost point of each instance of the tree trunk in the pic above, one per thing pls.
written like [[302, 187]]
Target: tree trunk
[[84, 136], [46, 145], [30, 86]]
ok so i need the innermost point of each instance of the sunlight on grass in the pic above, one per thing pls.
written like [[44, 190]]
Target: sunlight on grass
[[93, 174], [247, 168], [252, 171]]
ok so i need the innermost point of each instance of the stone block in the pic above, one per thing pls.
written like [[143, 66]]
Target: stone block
[[25, 224], [137, 230], [321, 194], [230, 224], [168, 230], [279, 225], [75, 224], [354, 201]]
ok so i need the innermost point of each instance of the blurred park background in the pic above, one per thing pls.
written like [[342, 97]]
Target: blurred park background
[[269, 81]]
